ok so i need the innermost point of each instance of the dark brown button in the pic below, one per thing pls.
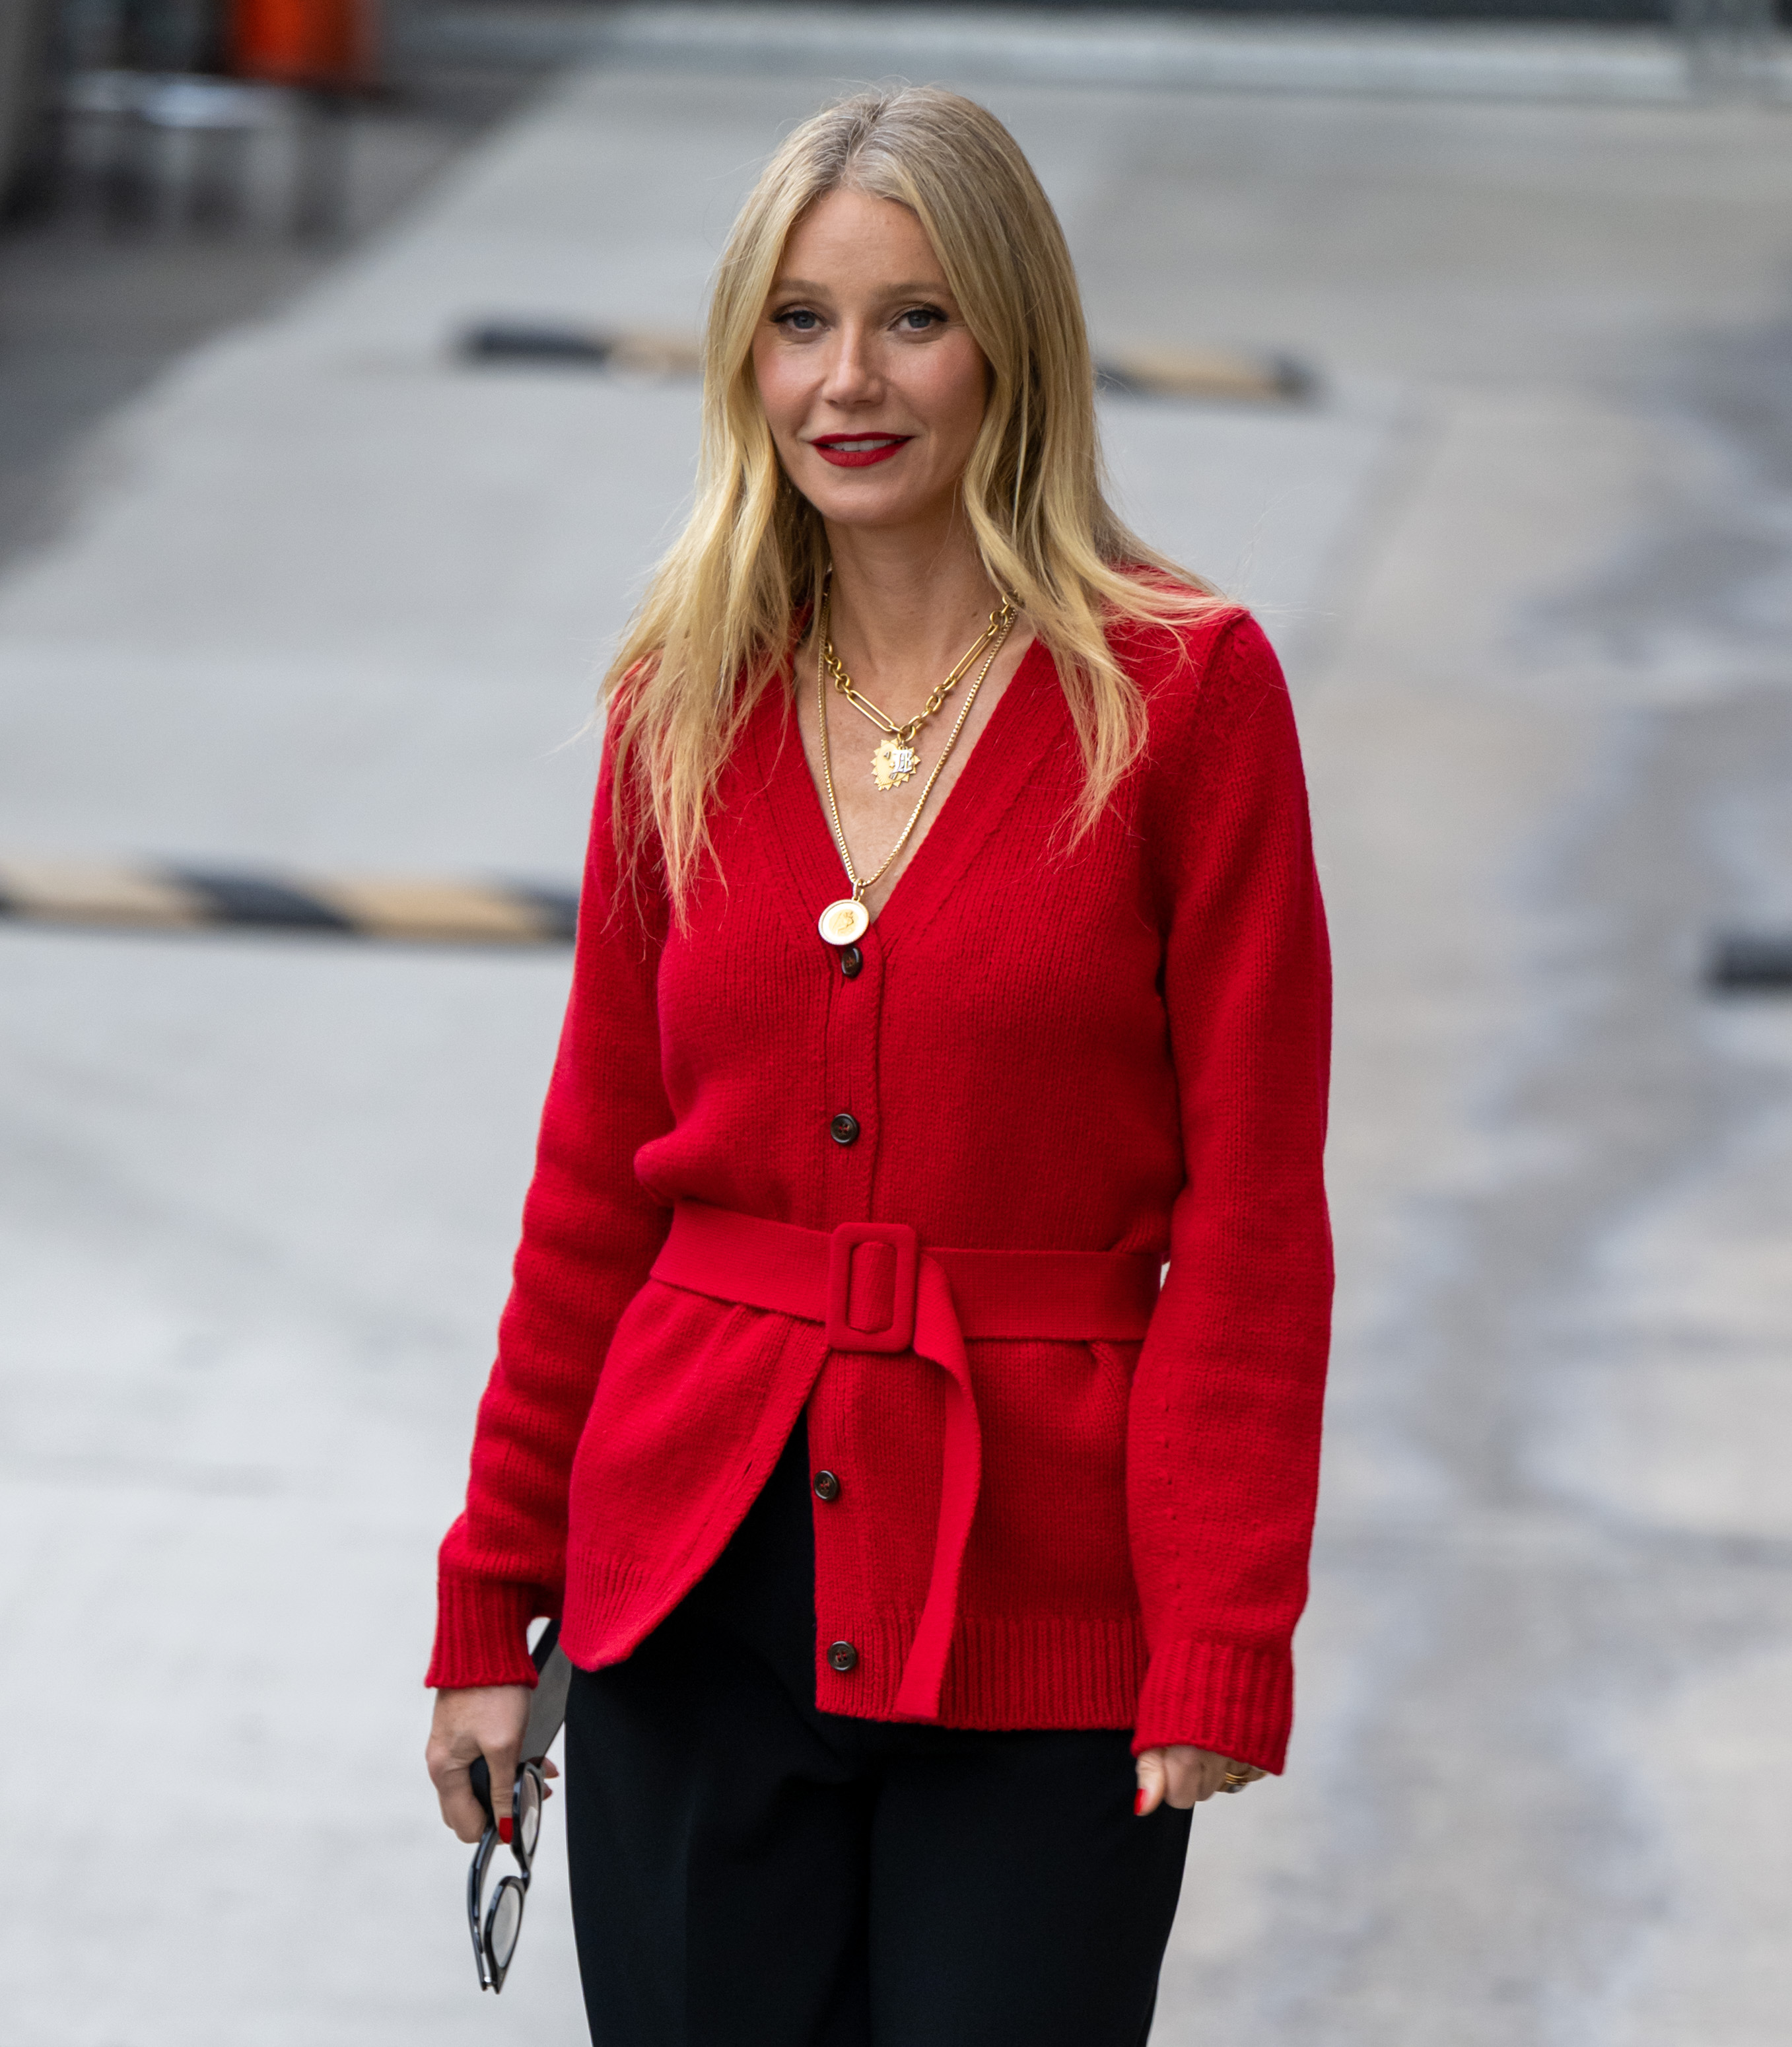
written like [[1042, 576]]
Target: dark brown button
[[844, 1129], [851, 960], [841, 1656], [828, 1486]]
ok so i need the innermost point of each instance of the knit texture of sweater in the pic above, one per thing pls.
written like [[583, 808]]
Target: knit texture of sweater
[[1116, 1042]]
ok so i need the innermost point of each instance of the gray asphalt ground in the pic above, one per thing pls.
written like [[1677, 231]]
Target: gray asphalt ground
[[327, 597]]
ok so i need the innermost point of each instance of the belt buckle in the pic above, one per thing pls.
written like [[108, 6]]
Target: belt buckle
[[899, 1333]]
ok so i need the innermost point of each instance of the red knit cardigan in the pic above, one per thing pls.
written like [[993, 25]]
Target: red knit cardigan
[[1118, 1044]]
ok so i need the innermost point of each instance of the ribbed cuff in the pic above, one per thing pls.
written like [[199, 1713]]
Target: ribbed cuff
[[482, 1632], [1238, 1702]]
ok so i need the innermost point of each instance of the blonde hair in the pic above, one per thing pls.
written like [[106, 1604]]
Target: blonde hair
[[719, 620]]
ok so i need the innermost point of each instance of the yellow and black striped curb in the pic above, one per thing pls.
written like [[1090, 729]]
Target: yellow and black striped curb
[[182, 898], [1206, 375], [1235, 377]]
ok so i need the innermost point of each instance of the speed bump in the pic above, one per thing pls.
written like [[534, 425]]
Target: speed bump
[[181, 897], [1206, 374], [642, 354], [1751, 963]]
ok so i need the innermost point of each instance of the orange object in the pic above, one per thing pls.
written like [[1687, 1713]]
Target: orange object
[[324, 43]]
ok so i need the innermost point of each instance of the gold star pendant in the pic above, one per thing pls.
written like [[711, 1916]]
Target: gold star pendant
[[893, 764]]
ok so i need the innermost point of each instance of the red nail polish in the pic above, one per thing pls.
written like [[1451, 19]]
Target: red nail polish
[[1139, 1803], [504, 1829]]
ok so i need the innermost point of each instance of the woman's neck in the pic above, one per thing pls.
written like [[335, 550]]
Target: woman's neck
[[904, 607]]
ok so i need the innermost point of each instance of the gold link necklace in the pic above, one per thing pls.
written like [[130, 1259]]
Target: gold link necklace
[[896, 759], [846, 922]]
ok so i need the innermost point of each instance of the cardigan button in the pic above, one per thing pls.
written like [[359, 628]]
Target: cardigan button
[[841, 1656], [828, 1486], [851, 960], [844, 1129]]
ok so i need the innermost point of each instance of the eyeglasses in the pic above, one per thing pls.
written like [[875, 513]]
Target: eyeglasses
[[496, 1919]]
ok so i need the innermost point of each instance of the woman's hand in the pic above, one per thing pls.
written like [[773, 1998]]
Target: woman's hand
[[1185, 1776], [487, 1720]]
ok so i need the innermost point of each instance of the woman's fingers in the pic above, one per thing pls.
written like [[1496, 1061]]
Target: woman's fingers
[[1183, 1776], [1194, 1774], [460, 1808], [449, 1769], [1149, 1771], [1239, 1775], [487, 1720]]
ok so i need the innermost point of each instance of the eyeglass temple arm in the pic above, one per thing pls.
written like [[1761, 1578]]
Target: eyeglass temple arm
[[547, 1709]]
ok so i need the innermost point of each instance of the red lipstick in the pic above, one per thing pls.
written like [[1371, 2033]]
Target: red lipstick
[[860, 451]]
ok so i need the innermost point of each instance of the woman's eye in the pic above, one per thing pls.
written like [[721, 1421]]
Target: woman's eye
[[919, 319], [799, 319]]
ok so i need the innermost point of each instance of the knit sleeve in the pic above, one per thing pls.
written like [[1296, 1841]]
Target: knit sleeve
[[1224, 1428], [590, 1235]]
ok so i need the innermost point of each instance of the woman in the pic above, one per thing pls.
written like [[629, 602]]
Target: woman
[[950, 958]]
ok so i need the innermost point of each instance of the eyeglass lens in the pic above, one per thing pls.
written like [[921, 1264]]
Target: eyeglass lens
[[528, 1811], [505, 1922]]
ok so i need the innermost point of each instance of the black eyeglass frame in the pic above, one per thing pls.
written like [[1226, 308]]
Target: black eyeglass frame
[[483, 1924]]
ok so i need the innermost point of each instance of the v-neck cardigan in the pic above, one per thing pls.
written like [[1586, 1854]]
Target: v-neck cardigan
[[1113, 1043]]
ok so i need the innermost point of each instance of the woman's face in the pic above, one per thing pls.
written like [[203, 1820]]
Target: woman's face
[[873, 385]]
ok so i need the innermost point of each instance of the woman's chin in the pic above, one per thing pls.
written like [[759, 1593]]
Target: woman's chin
[[880, 507]]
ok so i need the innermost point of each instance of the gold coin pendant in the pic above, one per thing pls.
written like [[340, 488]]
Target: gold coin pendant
[[845, 923]]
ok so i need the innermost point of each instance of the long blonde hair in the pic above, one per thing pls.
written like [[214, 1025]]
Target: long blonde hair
[[719, 619]]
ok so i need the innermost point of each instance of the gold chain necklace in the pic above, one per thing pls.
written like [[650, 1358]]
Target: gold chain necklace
[[846, 922], [895, 759]]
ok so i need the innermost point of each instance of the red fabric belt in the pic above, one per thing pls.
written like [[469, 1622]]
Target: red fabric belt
[[874, 1287]]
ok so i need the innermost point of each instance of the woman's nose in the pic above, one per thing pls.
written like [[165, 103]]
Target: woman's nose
[[853, 375]]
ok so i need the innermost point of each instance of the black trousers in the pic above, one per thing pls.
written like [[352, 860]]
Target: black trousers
[[749, 1872]]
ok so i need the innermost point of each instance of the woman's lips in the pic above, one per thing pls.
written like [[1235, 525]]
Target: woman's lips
[[860, 451]]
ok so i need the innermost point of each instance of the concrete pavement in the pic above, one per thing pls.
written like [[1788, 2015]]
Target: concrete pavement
[[334, 599]]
